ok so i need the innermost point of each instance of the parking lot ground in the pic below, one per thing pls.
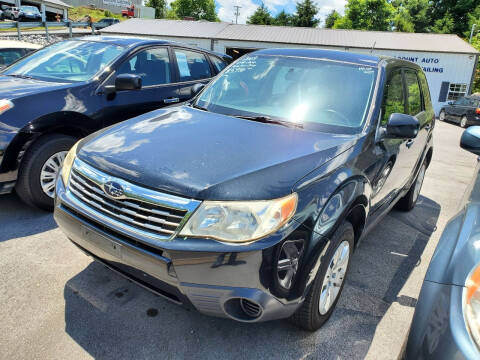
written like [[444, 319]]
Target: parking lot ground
[[57, 304]]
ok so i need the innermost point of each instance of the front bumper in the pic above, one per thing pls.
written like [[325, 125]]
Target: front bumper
[[213, 282], [438, 329]]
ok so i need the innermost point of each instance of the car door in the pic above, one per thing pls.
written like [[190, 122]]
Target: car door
[[154, 66], [394, 155], [192, 67]]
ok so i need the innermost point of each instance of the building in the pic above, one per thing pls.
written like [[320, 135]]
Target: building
[[448, 61], [116, 6], [49, 8]]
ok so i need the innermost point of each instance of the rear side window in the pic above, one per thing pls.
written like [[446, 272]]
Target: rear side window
[[192, 65], [219, 64], [425, 90], [393, 97], [414, 96]]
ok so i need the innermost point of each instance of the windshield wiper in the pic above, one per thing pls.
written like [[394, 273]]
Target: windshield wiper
[[268, 120], [20, 76], [199, 107]]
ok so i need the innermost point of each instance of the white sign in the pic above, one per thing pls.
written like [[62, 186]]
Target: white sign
[[120, 3]]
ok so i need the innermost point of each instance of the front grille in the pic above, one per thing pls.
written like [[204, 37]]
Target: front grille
[[151, 218]]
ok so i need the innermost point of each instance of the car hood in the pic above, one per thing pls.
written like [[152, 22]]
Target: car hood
[[204, 155], [13, 87]]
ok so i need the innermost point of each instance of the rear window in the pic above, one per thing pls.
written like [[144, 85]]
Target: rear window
[[219, 64]]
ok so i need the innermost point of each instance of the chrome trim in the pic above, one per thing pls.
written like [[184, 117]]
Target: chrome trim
[[124, 214]]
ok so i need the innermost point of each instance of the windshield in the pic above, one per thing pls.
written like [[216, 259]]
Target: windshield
[[69, 61], [29, 8], [320, 95]]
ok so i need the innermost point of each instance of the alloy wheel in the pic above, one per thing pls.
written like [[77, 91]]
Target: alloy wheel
[[287, 265], [442, 116], [49, 172], [463, 122], [334, 277]]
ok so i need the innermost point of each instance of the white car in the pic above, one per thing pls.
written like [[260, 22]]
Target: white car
[[11, 50]]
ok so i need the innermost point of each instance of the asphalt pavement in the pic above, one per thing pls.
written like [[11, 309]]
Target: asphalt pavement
[[57, 304]]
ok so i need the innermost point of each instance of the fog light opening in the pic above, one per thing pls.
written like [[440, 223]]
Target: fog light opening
[[243, 309]]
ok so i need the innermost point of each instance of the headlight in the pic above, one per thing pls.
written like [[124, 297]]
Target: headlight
[[68, 163], [5, 105], [472, 304], [240, 221]]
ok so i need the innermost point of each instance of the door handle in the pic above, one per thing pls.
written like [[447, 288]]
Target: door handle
[[409, 143], [171, 100]]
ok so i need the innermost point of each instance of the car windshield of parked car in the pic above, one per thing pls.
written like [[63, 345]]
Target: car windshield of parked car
[[317, 94], [31, 9], [68, 61]]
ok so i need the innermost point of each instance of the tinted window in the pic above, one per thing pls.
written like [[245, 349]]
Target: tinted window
[[219, 64], [8, 56], [152, 65], [311, 92], [70, 60], [192, 65], [393, 98], [414, 97], [462, 101], [425, 90]]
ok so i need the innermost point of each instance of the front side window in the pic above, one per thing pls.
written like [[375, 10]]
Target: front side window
[[192, 65], [152, 65], [414, 95], [8, 56], [69, 61], [308, 92], [393, 98]]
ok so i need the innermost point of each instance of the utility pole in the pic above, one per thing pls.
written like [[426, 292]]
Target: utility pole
[[471, 33], [236, 13]]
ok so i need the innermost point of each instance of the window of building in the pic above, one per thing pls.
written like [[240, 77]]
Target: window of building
[[456, 91]]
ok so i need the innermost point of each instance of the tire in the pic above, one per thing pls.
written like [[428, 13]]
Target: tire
[[464, 122], [309, 315], [441, 116], [29, 186], [408, 201]]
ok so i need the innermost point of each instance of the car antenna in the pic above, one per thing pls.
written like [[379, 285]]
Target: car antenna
[[373, 47]]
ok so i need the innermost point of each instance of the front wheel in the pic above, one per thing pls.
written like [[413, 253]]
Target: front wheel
[[328, 284], [463, 122], [441, 116], [39, 170]]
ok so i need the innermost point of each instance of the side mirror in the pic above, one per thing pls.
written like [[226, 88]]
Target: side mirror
[[402, 126], [196, 89], [470, 140], [128, 82]]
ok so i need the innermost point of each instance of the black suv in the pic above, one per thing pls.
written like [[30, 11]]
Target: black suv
[[249, 202], [464, 111], [63, 92]]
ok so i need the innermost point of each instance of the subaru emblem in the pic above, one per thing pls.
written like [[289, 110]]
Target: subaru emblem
[[113, 189]]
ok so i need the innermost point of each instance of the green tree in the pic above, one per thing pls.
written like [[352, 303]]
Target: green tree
[[197, 9], [452, 14], [419, 14], [284, 19], [402, 21], [331, 19], [261, 16], [444, 25], [476, 81], [366, 15], [306, 12], [160, 7]]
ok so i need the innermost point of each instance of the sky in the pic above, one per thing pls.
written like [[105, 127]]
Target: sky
[[226, 11]]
